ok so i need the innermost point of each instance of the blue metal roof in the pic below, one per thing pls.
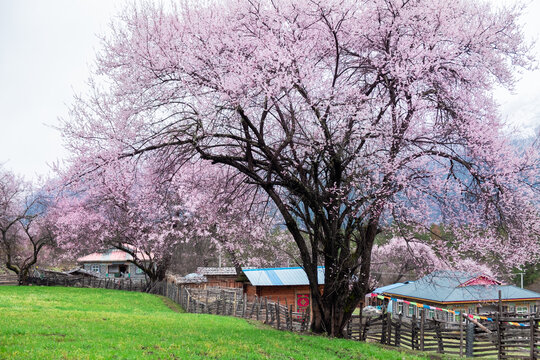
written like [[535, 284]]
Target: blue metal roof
[[382, 289], [281, 276], [443, 286]]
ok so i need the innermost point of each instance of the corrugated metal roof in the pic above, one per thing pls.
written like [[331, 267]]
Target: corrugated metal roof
[[216, 270], [281, 276], [110, 255], [443, 286], [382, 289]]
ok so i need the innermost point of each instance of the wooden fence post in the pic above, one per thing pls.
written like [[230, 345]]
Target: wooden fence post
[[461, 319], [397, 335], [291, 318], [206, 302], [422, 327], [308, 321], [389, 327], [277, 314], [414, 332], [532, 340], [286, 314], [384, 325], [440, 347], [469, 344], [266, 309], [223, 302], [499, 335]]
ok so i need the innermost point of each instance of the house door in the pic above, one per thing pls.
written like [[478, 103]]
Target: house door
[[123, 269]]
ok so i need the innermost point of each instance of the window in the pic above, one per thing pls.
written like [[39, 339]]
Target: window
[[113, 269], [522, 309], [411, 310], [431, 314], [95, 268], [400, 308]]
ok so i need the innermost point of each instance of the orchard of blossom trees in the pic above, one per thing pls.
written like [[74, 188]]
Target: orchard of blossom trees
[[335, 119]]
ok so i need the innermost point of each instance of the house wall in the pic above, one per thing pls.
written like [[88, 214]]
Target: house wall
[[103, 269], [470, 308], [223, 281], [286, 294]]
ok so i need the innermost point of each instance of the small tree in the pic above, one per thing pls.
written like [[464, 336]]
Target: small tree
[[24, 226], [125, 206]]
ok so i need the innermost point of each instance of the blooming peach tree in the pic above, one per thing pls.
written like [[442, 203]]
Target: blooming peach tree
[[25, 224], [134, 208], [350, 115]]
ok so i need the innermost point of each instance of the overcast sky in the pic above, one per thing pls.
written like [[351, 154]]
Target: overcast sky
[[46, 48]]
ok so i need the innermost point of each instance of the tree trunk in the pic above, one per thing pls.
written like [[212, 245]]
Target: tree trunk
[[23, 276], [332, 316], [344, 288]]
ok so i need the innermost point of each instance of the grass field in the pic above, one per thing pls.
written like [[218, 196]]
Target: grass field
[[72, 323]]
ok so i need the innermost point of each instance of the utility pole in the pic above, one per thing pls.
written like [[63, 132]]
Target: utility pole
[[521, 273]]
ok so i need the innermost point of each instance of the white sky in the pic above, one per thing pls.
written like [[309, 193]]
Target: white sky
[[46, 48]]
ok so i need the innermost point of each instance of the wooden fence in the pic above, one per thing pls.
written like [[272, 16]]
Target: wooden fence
[[7, 279], [217, 301], [232, 302], [463, 338], [93, 282]]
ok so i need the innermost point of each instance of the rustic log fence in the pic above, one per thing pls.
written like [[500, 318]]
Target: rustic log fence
[[233, 302], [91, 282], [8, 279], [461, 338], [216, 301]]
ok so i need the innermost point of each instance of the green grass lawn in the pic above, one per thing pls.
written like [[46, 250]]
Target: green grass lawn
[[71, 323]]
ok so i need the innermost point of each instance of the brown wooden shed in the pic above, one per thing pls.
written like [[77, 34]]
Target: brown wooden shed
[[289, 285], [220, 276]]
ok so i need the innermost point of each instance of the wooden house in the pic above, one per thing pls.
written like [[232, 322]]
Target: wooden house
[[288, 285], [220, 277], [111, 263], [462, 292]]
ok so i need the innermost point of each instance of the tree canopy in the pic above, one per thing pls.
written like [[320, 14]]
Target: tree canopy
[[350, 115]]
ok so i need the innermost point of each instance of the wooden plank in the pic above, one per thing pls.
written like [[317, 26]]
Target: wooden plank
[[500, 349], [422, 325], [531, 337]]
